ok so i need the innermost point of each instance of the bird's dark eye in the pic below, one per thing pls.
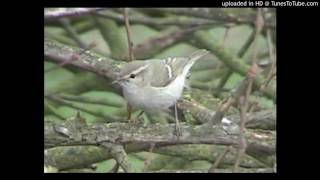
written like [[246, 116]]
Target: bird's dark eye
[[132, 76]]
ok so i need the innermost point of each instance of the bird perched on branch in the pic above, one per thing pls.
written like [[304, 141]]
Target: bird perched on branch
[[157, 84]]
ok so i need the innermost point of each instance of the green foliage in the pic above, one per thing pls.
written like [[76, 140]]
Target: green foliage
[[141, 33], [94, 36], [107, 96], [179, 50], [198, 165], [56, 76], [137, 164], [105, 166]]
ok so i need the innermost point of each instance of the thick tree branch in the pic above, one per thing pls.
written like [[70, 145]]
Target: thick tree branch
[[259, 120], [89, 61], [119, 154], [242, 170], [66, 135], [56, 13], [75, 132]]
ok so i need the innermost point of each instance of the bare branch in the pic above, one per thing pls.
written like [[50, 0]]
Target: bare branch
[[236, 64], [119, 154], [65, 135], [244, 99], [242, 170], [71, 32], [217, 14], [154, 45], [272, 69], [220, 158], [240, 54], [56, 13], [137, 138], [88, 61], [159, 23], [127, 25]]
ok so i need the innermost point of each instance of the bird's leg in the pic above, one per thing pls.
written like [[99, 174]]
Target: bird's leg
[[140, 114], [137, 119], [129, 110], [177, 130], [130, 118]]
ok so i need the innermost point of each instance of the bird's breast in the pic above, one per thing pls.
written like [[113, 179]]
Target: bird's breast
[[154, 98]]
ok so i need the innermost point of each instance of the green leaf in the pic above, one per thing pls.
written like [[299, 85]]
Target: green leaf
[[56, 76]]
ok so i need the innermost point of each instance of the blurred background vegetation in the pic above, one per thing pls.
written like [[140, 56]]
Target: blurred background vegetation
[[156, 33]]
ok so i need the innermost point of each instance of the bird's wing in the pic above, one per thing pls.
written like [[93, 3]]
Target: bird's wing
[[166, 71]]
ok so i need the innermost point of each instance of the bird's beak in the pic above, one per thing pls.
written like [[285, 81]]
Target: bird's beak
[[118, 80], [115, 81]]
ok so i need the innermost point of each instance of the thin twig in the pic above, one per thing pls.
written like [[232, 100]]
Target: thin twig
[[147, 162], [217, 14], [244, 99], [226, 32], [272, 70], [115, 168], [236, 64], [120, 155], [130, 47], [52, 109], [240, 54], [154, 45], [71, 32], [159, 23], [259, 25], [242, 140], [127, 26], [219, 159], [129, 111]]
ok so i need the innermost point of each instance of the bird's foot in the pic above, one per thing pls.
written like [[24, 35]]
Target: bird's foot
[[134, 121]]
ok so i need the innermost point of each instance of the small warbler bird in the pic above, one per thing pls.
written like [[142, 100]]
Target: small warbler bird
[[155, 85]]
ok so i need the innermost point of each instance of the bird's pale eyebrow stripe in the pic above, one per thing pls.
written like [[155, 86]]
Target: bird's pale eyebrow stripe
[[137, 71]]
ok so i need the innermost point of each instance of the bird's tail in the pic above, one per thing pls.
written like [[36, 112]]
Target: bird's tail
[[194, 57], [198, 54]]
